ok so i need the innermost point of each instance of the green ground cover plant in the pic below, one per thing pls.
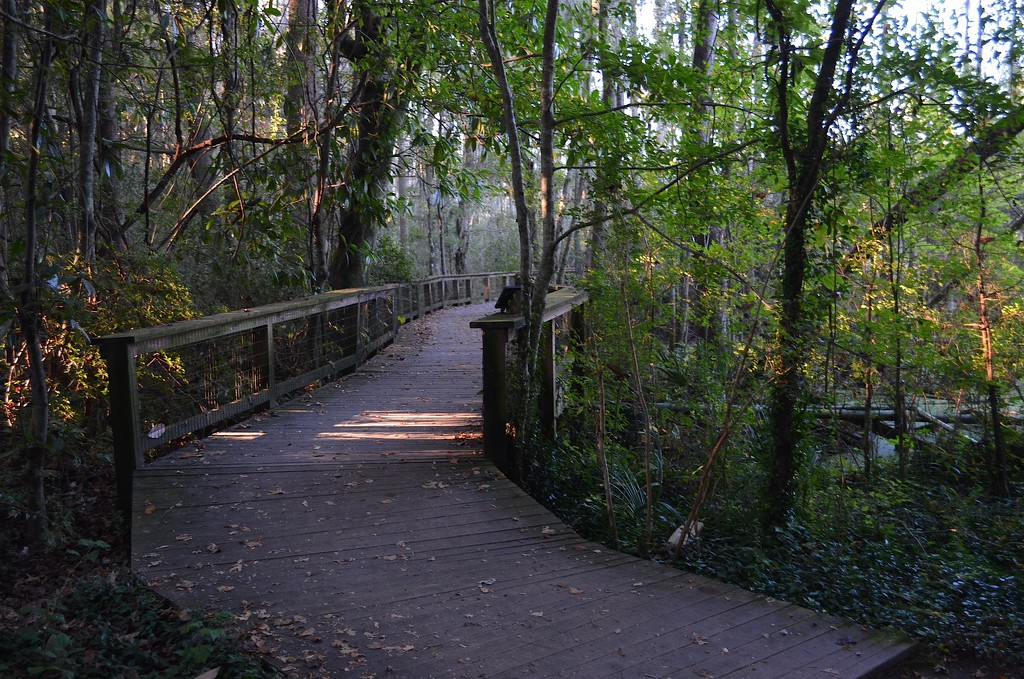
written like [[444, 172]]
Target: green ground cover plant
[[111, 625], [942, 563]]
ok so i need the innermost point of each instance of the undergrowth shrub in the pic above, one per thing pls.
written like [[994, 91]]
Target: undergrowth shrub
[[940, 562]]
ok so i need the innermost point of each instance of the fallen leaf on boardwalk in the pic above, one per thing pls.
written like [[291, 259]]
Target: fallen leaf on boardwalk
[[346, 648], [277, 491], [488, 581], [252, 544], [312, 657], [390, 557], [212, 548], [399, 649], [150, 508], [308, 632], [184, 537], [537, 614], [575, 590], [237, 568], [225, 588], [699, 639], [546, 531], [211, 674]]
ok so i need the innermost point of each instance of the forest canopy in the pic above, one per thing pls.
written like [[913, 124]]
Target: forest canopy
[[799, 224]]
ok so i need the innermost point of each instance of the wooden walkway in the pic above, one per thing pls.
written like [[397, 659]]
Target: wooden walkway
[[360, 532]]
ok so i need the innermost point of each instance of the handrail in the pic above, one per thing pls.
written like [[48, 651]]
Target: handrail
[[562, 318], [169, 381]]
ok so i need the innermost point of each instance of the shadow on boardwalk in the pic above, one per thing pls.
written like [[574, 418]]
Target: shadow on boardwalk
[[361, 533]]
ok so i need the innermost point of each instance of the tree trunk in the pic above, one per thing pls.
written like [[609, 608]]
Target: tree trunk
[[706, 303], [803, 162], [463, 230], [319, 265], [999, 483], [9, 75], [300, 102], [94, 19], [869, 387], [111, 204], [533, 288], [607, 176], [489, 35], [29, 313], [379, 108]]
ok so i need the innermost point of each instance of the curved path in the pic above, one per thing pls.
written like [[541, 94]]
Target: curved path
[[359, 531]]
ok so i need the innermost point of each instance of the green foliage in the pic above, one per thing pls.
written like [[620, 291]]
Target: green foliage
[[940, 564], [112, 627], [134, 292], [389, 263]]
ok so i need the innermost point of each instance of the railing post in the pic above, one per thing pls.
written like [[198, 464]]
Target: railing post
[[361, 310], [119, 355], [263, 358], [495, 406], [395, 304]]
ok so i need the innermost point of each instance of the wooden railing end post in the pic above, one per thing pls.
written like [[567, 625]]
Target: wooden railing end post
[[123, 391]]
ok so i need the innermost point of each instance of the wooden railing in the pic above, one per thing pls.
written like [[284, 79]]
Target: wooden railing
[[562, 319], [169, 381]]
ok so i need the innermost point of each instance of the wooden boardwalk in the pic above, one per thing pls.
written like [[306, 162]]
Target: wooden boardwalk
[[360, 532]]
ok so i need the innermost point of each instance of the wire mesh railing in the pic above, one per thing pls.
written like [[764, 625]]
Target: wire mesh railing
[[170, 381]]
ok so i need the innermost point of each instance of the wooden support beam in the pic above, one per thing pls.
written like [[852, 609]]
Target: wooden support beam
[[124, 421]]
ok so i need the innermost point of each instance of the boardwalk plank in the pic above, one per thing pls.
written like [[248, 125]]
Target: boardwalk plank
[[359, 532]]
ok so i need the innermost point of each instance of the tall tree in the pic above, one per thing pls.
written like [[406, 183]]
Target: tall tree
[[803, 140], [382, 73], [534, 282], [30, 312]]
